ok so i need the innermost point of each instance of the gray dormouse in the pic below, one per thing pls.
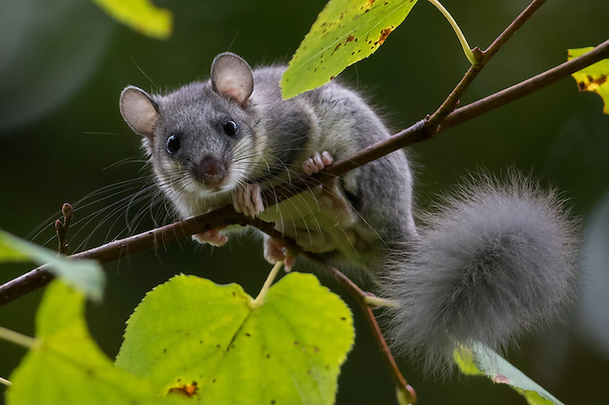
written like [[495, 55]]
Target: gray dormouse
[[493, 262]]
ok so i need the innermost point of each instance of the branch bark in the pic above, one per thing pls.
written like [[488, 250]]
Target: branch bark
[[40, 276]]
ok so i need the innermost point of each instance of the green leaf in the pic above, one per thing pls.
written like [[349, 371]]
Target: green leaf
[[86, 275], [66, 367], [192, 333], [140, 15], [480, 360], [346, 31], [594, 77]]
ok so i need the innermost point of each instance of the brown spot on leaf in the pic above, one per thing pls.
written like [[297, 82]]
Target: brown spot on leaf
[[591, 83], [384, 34], [186, 390], [350, 38]]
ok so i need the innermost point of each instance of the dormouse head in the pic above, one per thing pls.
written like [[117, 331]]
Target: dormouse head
[[198, 136]]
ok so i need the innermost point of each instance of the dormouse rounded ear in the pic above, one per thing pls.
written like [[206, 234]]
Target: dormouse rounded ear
[[231, 76], [139, 111]]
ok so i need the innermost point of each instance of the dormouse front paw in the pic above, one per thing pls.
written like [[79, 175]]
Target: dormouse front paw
[[317, 162], [212, 237], [248, 200]]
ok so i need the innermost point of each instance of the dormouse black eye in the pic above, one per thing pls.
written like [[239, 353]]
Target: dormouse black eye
[[230, 127], [173, 144]]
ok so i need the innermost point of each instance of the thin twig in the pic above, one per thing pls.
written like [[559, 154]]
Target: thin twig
[[452, 101], [526, 87], [360, 295], [62, 228], [511, 29]]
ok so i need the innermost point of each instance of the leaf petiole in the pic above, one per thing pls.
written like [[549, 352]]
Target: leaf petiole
[[267, 284], [466, 48], [17, 338], [374, 301]]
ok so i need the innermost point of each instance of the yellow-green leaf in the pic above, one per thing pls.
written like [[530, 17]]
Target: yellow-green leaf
[[480, 360], [141, 16], [345, 32], [593, 78], [190, 334], [66, 367], [86, 275]]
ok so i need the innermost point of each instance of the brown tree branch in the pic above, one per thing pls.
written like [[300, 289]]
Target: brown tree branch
[[40, 276], [525, 87]]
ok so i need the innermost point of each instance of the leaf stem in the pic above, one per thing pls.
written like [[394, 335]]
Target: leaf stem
[[466, 48], [374, 301], [404, 390], [17, 338], [6, 382], [267, 284]]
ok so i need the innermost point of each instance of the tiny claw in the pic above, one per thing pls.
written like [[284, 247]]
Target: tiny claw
[[327, 158], [317, 162], [288, 263]]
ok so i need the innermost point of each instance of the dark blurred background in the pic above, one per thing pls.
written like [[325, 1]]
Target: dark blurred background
[[63, 64]]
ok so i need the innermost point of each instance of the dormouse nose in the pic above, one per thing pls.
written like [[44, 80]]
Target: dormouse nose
[[210, 171]]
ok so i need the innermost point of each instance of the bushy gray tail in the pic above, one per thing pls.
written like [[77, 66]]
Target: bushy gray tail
[[495, 261]]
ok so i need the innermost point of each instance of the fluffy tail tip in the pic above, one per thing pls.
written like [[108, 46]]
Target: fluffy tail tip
[[497, 259]]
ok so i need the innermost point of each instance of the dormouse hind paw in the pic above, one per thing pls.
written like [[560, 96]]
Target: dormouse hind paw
[[248, 200], [275, 252], [317, 162]]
